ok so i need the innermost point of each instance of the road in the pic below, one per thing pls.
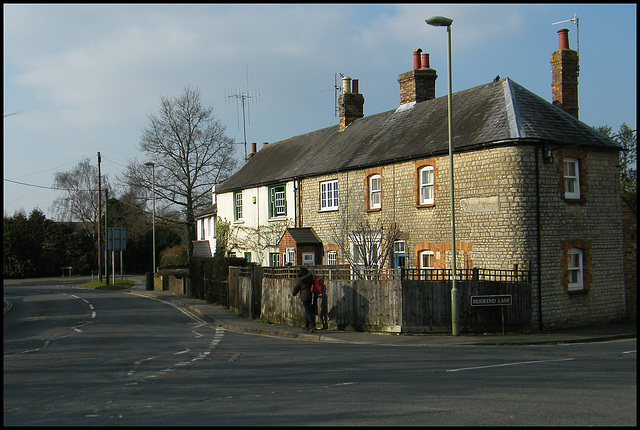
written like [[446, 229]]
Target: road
[[93, 358]]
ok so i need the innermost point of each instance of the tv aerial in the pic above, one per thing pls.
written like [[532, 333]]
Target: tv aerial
[[577, 21], [336, 89], [243, 97]]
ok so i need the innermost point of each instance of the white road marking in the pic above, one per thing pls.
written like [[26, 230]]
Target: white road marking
[[508, 364], [217, 338]]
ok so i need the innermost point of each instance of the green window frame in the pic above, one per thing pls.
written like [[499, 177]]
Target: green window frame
[[237, 205], [277, 200]]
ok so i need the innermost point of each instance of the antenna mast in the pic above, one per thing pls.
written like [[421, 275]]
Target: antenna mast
[[577, 21], [336, 89], [243, 96]]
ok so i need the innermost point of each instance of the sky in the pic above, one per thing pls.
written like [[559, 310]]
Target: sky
[[83, 79]]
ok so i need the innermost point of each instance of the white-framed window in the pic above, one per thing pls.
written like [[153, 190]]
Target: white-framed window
[[202, 232], [426, 259], [375, 192], [426, 262], [277, 201], [399, 253], [366, 248], [329, 195], [289, 256], [575, 269], [237, 205], [308, 259], [571, 178], [332, 258], [426, 185]]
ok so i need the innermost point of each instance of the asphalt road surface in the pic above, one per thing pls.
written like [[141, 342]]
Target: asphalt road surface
[[94, 358]]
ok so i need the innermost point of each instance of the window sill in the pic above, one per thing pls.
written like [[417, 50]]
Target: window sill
[[373, 210], [429, 205], [278, 218]]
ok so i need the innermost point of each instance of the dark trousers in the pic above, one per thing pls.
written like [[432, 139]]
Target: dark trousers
[[324, 313], [310, 318]]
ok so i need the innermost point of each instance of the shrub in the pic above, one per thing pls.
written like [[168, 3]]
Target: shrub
[[174, 257]]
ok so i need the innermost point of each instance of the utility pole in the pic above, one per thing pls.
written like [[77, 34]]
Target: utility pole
[[99, 216], [106, 232]]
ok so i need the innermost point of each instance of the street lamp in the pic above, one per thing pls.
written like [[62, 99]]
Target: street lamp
[[153, 196], [441, 21]]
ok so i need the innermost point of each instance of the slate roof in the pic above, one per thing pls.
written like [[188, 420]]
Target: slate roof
[[497, 113], [304, 236], [209, 210]]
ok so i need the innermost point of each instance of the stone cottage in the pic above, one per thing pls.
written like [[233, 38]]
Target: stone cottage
[[534, 187]]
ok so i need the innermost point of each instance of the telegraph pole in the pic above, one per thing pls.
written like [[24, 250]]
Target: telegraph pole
[[99, 216], [106, 235]]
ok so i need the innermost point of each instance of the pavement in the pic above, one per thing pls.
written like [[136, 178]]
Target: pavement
[[220, 316]]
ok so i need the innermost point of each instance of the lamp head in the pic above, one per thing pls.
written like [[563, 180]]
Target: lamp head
[[149, 163], [439, 21]]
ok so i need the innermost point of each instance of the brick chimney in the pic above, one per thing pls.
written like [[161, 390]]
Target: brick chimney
[[564, 75], [419, 84], [351, 103]]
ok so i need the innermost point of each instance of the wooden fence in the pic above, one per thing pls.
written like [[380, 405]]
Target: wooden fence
[[407, 300]]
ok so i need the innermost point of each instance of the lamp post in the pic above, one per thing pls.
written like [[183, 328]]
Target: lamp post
[[153, 197], [441, 21]]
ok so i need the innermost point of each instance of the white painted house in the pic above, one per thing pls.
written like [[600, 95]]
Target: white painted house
[[205, 245], [258, 216]]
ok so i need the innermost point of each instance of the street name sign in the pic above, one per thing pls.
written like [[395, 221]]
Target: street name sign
[[492, 300]]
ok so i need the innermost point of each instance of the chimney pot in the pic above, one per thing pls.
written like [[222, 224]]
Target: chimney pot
[[425, 61], [418, 84], [346, 85], [253, 147], [416, 58], [351, 103], [265, 144], [563, 38]]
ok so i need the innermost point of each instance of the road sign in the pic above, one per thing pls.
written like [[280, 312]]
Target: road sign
[[492, 300], [117, 238]]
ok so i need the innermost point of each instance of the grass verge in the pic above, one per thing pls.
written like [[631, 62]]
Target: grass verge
[[95, 285]]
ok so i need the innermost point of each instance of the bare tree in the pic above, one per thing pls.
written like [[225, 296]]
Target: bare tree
[[259, 239], [365, 242], [79, 203], [190, 153]]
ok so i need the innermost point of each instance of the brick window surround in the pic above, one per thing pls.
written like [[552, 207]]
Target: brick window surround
[[367, 176], [585, 246], [419, 164]]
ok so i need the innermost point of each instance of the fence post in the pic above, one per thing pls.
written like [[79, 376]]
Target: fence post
[[475, 278]]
